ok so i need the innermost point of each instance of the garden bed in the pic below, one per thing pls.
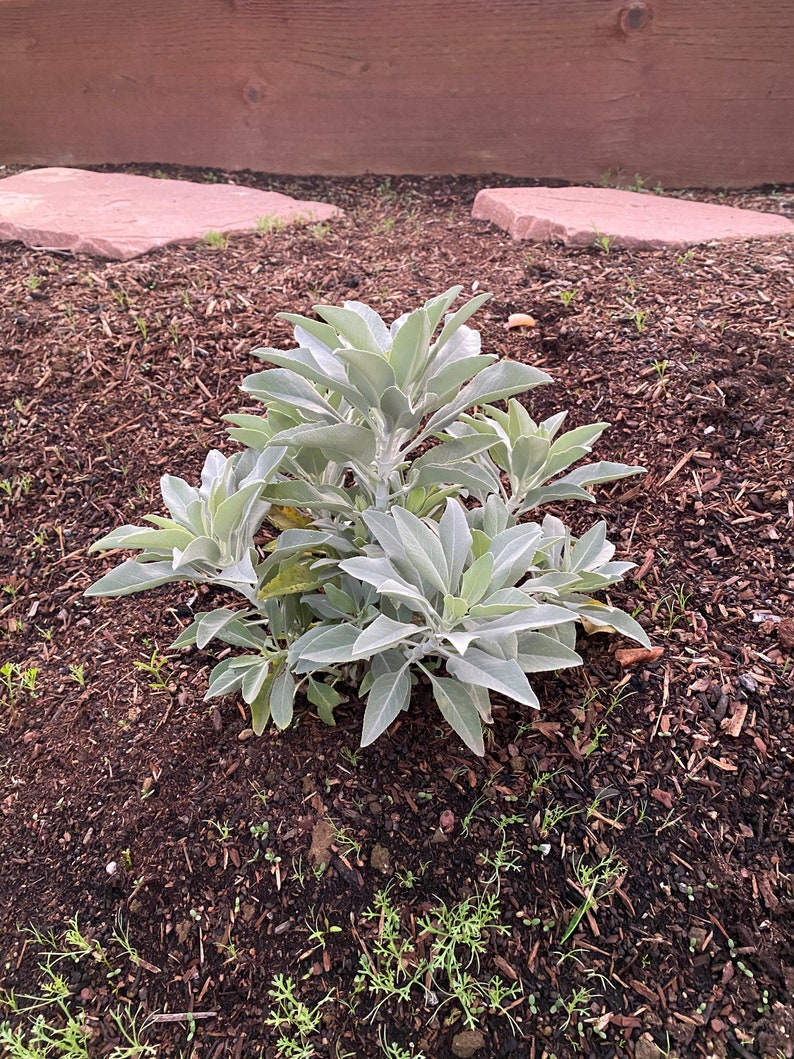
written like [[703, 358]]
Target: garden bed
[[651, 802]]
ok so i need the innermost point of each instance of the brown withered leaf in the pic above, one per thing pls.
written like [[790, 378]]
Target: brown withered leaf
[[634, 656]]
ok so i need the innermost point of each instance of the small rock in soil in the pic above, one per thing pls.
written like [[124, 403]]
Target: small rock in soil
[[379, 858], [465, 1044], [320, 852], [697, 935], [447, 821]]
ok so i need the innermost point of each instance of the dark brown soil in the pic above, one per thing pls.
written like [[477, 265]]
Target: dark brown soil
[[125, 799]]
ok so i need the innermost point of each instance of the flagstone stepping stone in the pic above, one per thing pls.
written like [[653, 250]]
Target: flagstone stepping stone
[[120, 216], [579, 216]]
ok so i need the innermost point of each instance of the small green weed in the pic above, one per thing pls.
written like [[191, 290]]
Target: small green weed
[[347, 843], [575, 1007], [266, 225], [603, 242], [51, 1022], [259, 831], [673, 607], [293, 1019], [77, 673], [122, 297], [319, 930], [446, 968], [594, 883], [156, 670], [567, 296], [395, 1051], [660, 367], [15, 488], [386, 192], [217, 240], [223, 830], [16, 680]]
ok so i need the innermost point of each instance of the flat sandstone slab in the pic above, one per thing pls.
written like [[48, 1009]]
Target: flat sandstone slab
[[118, 216], [578, 216]]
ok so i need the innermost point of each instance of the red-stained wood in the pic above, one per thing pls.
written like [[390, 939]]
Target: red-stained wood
[[679, 92]]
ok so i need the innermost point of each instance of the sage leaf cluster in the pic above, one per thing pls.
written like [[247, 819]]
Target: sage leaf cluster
[[376, 524]]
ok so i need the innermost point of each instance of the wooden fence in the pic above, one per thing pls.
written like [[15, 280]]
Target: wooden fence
[[683, 92]]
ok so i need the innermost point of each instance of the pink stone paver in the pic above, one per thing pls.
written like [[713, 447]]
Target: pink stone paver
[[119, 216], [576, 216]]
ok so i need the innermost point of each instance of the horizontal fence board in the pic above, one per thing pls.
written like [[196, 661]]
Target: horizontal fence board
[[680, 93]]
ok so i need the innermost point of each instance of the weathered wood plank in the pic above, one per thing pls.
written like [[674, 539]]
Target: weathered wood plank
[[678, 92]]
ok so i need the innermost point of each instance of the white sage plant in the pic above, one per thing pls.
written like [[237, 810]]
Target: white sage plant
[[374, 524]]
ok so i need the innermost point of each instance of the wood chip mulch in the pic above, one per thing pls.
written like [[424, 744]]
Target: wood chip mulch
[[126, 801]]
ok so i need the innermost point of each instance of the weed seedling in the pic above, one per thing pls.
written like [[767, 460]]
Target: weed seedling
[[386, 192], [660, 367], [567, 296], [408, 879], [446, 968], [595, 883], [260, 831], [540, 782], [395, 1051], [674, 605], [155, 670], [293, 1019], [217, 240], [77, 673], [259, 793], [574, 1007], [265, 225], [603, 242], [318, 931], [346, 843], [352, 756], [553, 816], [223, 831], [14, 680], [121, 936]]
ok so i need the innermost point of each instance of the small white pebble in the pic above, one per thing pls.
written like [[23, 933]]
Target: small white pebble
[[111, 868]]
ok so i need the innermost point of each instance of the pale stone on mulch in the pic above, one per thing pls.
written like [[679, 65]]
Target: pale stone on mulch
[[579, 216], [119, 216]]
